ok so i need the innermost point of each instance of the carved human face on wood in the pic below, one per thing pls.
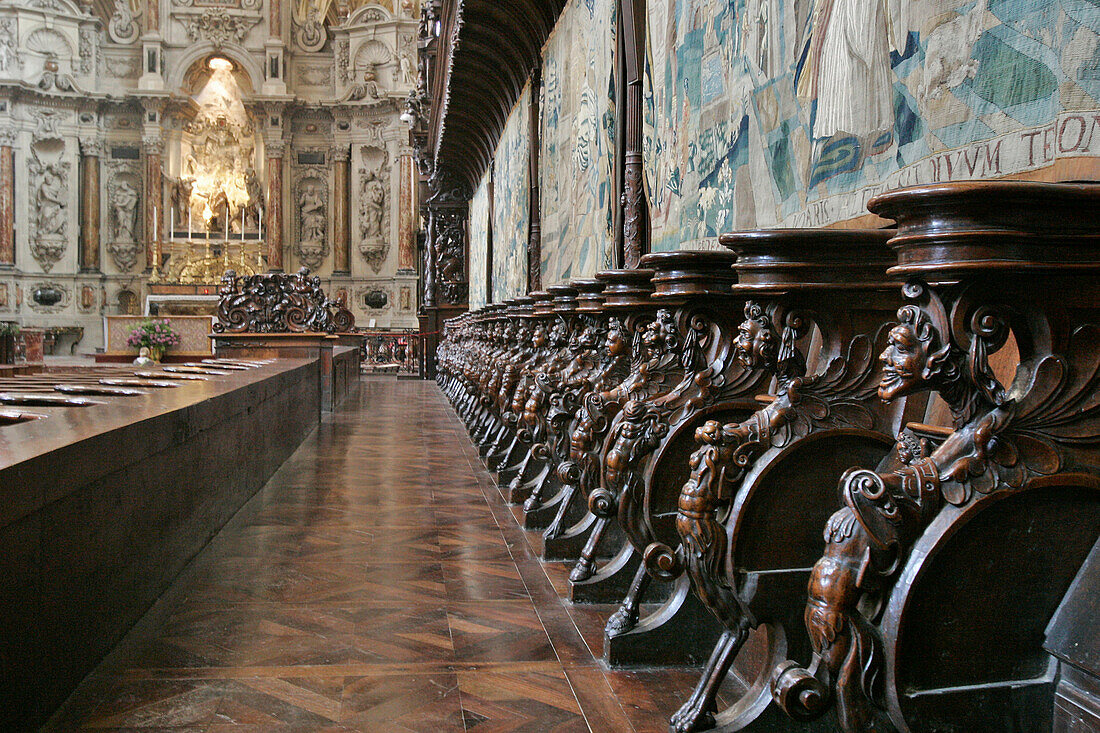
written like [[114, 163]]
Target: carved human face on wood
[[538, 338], [617, 343], [660, 335], [558, 336], [908, 362], [757, 343]]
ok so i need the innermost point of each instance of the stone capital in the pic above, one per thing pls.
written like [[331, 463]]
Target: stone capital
[[92, 147], [152, 145], [274, 147]]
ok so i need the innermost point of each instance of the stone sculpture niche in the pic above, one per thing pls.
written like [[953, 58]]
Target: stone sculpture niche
[[49, 201], [311, 194], [374, 224], [123, 197]]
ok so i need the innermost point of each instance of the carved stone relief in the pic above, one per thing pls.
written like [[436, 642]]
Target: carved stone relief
[[49, 297], [47, 124], [88, 298], [342, 60], [310, 30], [218, 26], [374, 127], [10, 58], [50, 178], [374, 235], [237, 4], [89, 44], [407, 60], [375, 297], [315, 75], [121, 67], [310, 198], [123, 196], [123, 28]]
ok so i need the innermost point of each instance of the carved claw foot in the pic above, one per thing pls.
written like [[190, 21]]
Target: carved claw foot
[[621, 621], [696, 714], [583, 570]]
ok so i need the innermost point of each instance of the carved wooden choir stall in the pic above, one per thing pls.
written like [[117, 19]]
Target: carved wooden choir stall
[[856, 471]]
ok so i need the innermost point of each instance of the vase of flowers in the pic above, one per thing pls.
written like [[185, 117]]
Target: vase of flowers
[[155, 334]]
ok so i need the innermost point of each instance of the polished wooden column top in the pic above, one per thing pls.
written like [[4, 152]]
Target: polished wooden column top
[[543, 305], [684, 274], [565, 298], [589, 295], [525, 306], [783, 260], [952, 229], [626, 288]]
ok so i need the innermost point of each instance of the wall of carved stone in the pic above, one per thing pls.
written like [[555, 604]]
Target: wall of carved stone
[[100, 114]]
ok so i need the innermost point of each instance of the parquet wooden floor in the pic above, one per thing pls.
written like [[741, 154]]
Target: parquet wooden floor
[[377, 583]]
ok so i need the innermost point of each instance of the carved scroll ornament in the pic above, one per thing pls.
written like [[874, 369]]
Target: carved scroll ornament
[[279, 303]]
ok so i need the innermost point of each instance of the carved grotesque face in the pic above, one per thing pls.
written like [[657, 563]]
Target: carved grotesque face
[[538, 338], [587, 339], [905, 364], [757, 345], [617, 344], [558, 335], [660, 335]]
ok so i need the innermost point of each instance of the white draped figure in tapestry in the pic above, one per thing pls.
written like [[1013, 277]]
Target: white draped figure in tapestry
[[847, 68]]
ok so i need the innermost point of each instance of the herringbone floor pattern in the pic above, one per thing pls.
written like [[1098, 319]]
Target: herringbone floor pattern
[[377, 583]]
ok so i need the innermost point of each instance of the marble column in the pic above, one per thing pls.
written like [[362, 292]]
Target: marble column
[[406, 232], [7, 199], [275, 19], [89, 212], [152, 212], [152, 15], [273, 210], [341, 242]]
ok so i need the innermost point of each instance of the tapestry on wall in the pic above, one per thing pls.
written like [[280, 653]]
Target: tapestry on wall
[[796, 112], [511, 203], [479, 243], [577, 139]]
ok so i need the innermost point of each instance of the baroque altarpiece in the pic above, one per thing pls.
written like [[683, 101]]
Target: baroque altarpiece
[[148, 147]]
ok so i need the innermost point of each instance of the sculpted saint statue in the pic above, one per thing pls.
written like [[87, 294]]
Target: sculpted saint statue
[[312, 209], [123, 204], [374, 208], [51, 203]]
